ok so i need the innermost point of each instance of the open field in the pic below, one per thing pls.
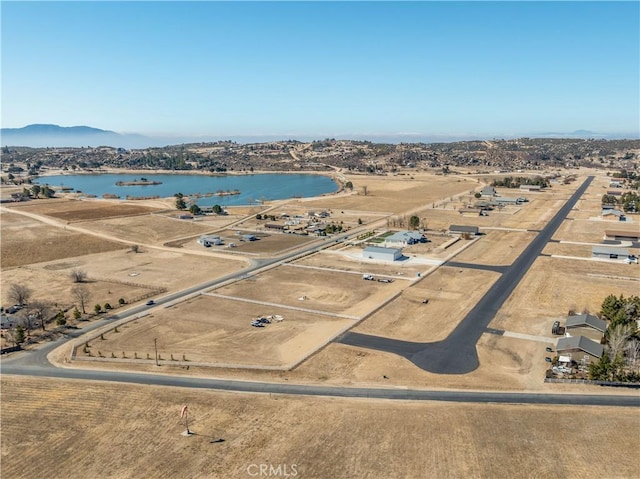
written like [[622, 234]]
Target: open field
[[218, 331], [150, 229], [323, 290], [553, 286], [134, 431], [452, 292], [267, 243], [496, 247], [26, 241], [344, 260], [73, 210], [394, 194]]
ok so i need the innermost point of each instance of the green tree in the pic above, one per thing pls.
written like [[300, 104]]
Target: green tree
[[414, 222], [195, 209], [97, 308], [77, 314], [348, 185], [180, 203], [217, 209], [18, 335], [35, 190]]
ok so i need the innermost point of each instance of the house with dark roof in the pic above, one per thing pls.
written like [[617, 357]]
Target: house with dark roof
[[580, 347], [531, 187], [586, 325]]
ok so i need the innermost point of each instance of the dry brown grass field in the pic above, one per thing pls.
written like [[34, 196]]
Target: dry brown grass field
[[496, 247], [218, 331], [553, 286], [394, 194], [452, 292], [328, 291], [27, 241], [64, 429], [267, 243], [344, 260], [74, 210], [150, 229]]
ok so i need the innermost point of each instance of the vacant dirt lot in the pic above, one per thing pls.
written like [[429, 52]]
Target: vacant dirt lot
[[26, 241], [218, 331], [47, 424], [394, 194], [267, 243], [323, 290], [344, 261], [74, 210], [150, 229], [496, 247], [452, 292]]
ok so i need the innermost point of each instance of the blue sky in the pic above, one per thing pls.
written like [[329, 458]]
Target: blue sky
[[323, 69]]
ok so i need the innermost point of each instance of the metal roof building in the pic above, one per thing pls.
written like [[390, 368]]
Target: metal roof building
[[385, 254], [609, 252], [474, 230]]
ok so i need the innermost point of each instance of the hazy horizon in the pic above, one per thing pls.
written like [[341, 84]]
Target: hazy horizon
[[324, 70]]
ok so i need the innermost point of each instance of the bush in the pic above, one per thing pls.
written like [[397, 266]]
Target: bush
[[97, 308], [107, 306], [121, 301]]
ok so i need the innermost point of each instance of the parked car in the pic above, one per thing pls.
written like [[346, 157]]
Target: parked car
[[385, 280], [547, 359], [151, 302]]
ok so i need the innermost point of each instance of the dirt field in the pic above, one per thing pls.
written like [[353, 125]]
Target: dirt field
[[73, 210], [150, 229], [344, 260], [452, 292], [394, 194], [496, 247], [218, 331], [134, 431], [267, 243], [323, 290], [26, 241], [553, 286]]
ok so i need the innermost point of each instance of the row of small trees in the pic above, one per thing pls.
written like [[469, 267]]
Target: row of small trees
[[38, 313], [621, 358]]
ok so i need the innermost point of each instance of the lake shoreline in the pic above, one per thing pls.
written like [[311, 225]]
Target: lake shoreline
[[335, 176]]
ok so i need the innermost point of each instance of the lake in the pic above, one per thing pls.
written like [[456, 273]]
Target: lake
[[252, 188]]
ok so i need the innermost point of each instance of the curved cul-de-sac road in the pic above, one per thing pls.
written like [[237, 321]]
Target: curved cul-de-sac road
[[457, 353]]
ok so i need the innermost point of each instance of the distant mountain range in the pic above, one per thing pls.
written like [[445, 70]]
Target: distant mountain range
[[45, 135], [40, 136]]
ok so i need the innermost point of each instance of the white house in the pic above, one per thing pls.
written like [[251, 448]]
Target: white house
[[404, 238]]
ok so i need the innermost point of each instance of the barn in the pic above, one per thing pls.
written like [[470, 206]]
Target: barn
[[384, 254]]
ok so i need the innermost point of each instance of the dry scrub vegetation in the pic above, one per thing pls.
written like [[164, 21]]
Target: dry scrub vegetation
[[67, 429]]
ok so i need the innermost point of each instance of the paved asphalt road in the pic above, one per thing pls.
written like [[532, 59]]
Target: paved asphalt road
[[457, 353], [34, 363]]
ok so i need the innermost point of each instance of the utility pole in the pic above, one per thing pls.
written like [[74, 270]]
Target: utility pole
[[155, 345]]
